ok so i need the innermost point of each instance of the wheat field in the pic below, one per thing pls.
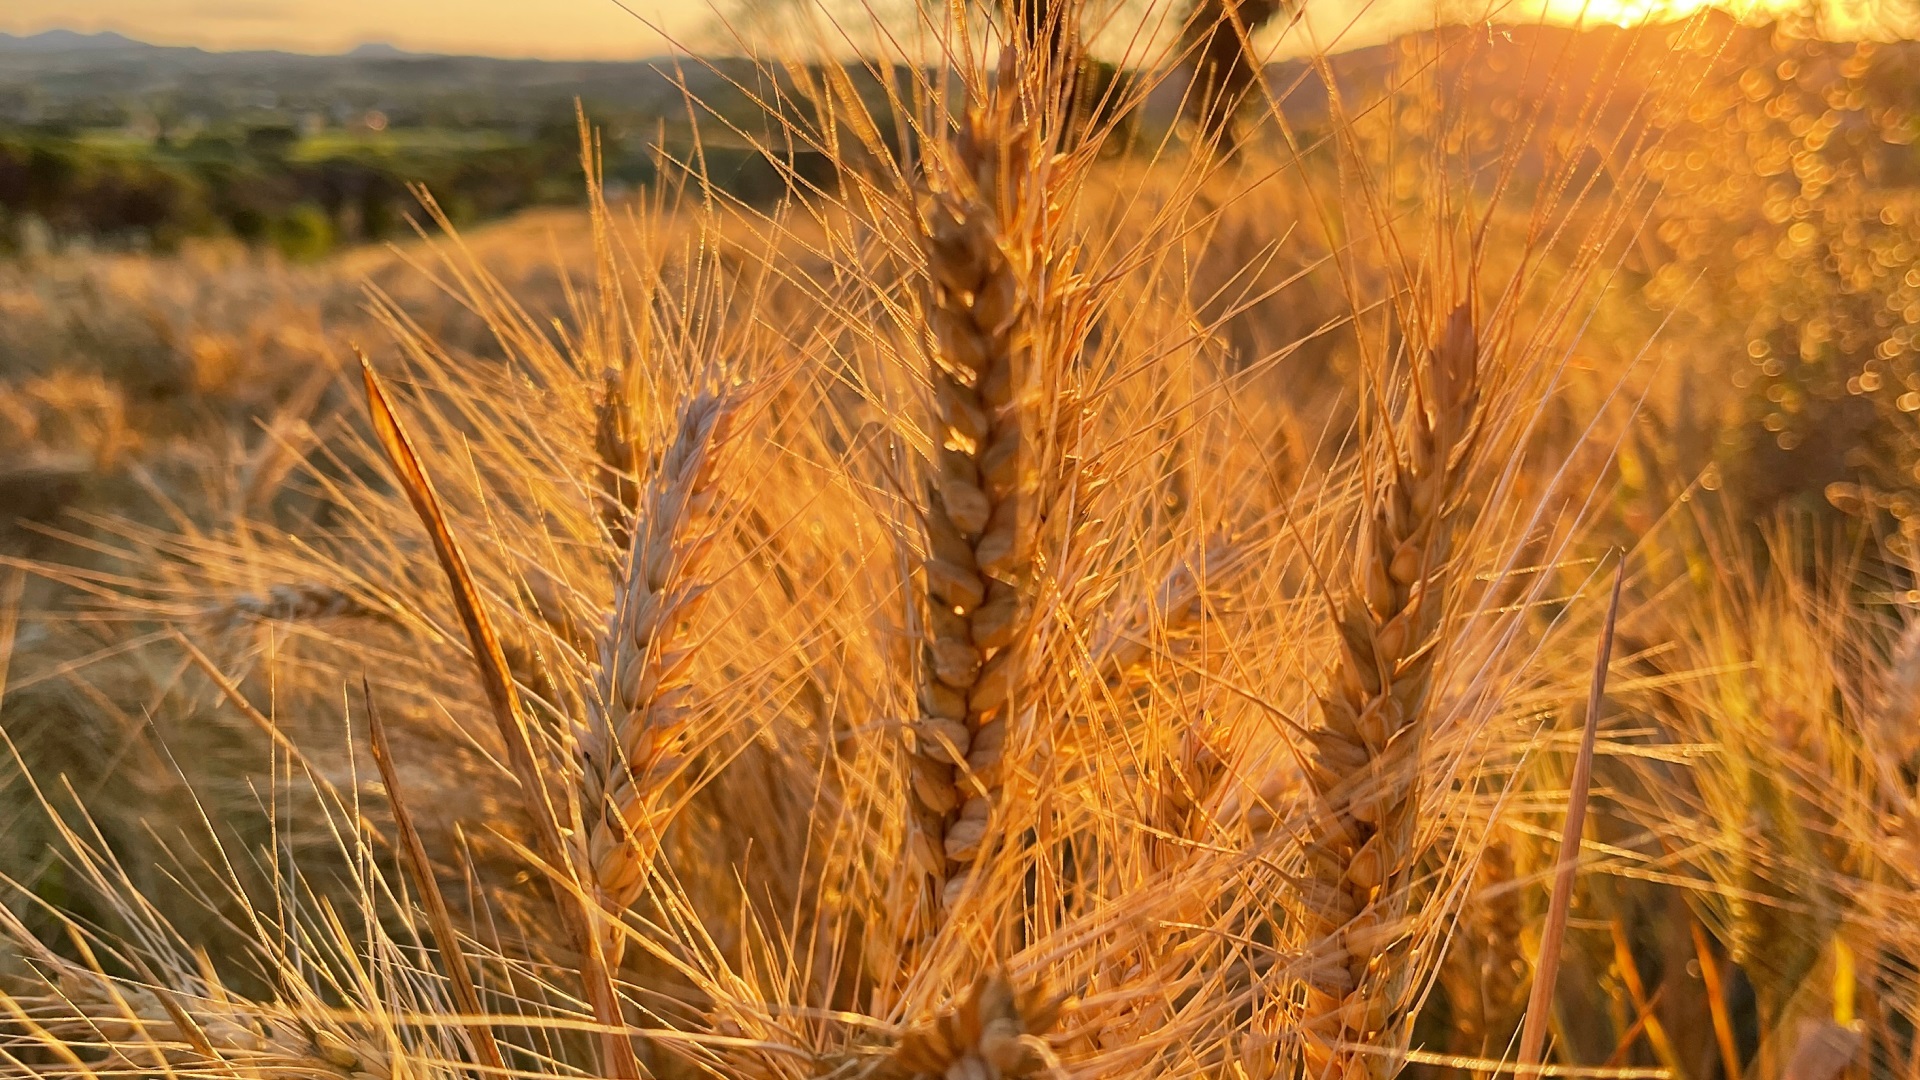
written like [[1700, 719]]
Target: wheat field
[[1407, 571]]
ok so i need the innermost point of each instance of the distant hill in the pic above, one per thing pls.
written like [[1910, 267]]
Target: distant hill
[[70, 41], [60, 42], [381, 50]]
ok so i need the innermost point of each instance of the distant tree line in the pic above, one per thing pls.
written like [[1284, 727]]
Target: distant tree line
[[271, 186]]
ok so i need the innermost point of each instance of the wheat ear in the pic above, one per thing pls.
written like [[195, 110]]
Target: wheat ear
[[638, 705], [1181, 795], [993, 1031], [1365, 756], [1483, 971], [1133, 636], [616, 493], [988, 271], [1183, 792], [292, 602], [141, 1030]]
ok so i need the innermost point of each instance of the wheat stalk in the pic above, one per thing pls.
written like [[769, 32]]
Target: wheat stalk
[[638, 706], [1366, 750]]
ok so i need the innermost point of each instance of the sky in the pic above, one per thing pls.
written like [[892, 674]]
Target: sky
[[549, 28], [616, 29]]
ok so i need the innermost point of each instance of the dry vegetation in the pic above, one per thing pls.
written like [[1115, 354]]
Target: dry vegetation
[[1021, 610]]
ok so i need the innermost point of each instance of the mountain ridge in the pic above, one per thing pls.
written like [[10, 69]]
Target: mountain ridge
[[62, 41]]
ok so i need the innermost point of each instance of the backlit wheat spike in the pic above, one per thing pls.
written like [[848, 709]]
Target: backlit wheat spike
[[1180, 796], [1365, 753], [1129, 639], [616, 492], [993, 1032], [134, 1032], [301, 601], [989, 266], [639, 703], [1483, 973], [1183, 794]]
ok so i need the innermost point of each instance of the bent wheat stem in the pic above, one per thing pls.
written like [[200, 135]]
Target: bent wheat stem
[[560, 849]]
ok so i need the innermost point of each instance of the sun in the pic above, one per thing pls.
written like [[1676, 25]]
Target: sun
[[1622, 13]]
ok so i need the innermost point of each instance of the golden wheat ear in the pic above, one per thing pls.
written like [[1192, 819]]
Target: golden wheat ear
[[1187, 783], [994, 1030], [94, 1026], [1366, 751], [1001, 342], [635, 742]]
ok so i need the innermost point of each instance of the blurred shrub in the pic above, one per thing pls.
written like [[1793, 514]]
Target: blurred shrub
[[1792, 230]]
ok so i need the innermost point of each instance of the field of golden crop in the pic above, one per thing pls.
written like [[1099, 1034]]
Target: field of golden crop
[[1419, 578]]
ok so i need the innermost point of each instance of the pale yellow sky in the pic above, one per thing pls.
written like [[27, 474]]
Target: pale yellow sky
[[555, 28], [634, 28]]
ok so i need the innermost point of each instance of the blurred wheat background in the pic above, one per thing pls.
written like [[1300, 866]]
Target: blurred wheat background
[[1108, 556]]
